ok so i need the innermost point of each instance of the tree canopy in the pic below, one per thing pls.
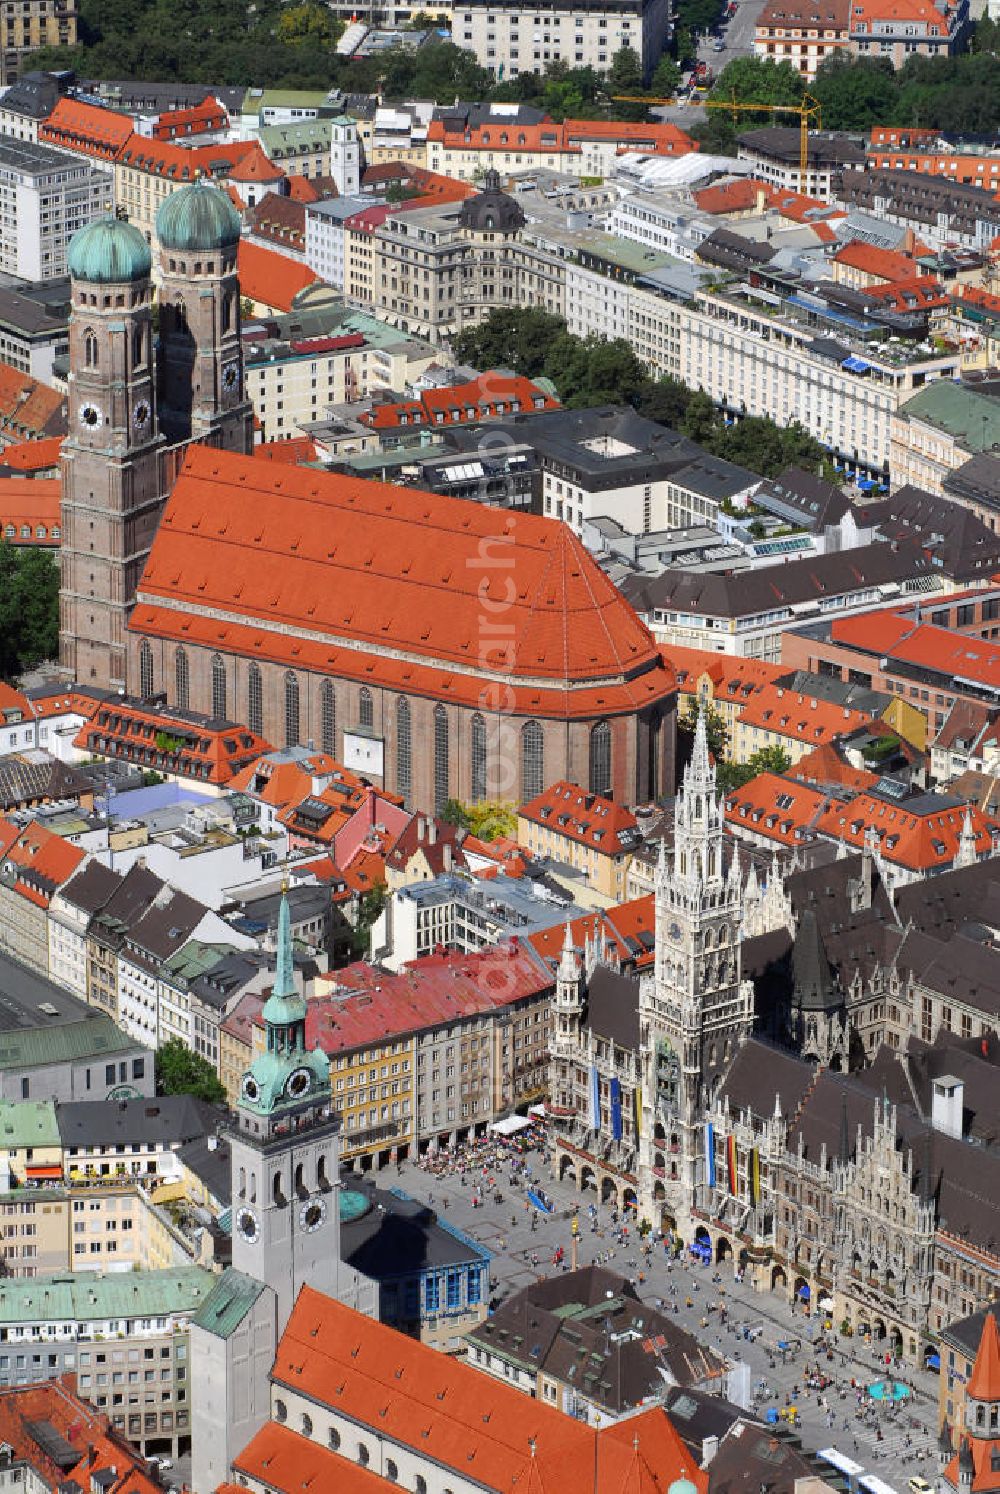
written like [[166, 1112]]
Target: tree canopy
[[179, 1071], [29, 608], [592, 371]]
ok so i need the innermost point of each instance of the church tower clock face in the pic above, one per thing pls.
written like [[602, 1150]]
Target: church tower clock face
[[312, 1215], [91, 416], [298, 1083], [248, 1226]]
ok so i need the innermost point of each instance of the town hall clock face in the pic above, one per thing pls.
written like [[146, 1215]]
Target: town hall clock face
[[248, 1225], [90, 416]]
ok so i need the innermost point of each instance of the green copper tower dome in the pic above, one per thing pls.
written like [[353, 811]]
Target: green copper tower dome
[[197, 218], [109, 251], [288, 1074]]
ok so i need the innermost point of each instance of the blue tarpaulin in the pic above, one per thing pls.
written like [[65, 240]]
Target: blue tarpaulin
[[855, 365]]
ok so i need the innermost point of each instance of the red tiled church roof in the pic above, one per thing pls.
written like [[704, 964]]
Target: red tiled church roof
[[269, 278], [448, 1413], [393, 585]]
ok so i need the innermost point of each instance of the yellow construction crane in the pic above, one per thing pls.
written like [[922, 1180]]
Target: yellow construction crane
[[808, 110]]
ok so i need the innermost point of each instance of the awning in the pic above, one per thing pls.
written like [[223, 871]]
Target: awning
[[855, 365], [866, 485], [44, 1172], [804, 1293], [509, 1126], [934, 1361]]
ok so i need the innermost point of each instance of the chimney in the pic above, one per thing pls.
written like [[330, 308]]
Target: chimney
[[447, 857], [432, 832], [421, 827], [709, 1448], [947, 1105]]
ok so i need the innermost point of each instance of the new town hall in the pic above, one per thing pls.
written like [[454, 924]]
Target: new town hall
[[714, 1095], [442, 647]]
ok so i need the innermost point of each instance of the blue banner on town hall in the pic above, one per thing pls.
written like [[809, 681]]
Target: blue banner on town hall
[[710, 1154], [616, 1109]]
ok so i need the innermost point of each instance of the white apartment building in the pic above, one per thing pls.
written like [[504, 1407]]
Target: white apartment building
[[526, 37], [756, 357], [667, 227], [325, 235], [45, 196]]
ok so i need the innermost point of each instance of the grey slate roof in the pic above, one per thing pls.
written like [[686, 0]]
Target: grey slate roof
[[166, 1120], [612, 1007], [589, 1330], [772, 587], [40, 1023]]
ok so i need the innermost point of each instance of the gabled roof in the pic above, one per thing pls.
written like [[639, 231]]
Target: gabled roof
[[588, 819], [920, 832], [87, 129], [269, 278], [448, 1412], [179, 742], [984, 1382], [488, 394], [353, 564], [28, 408]]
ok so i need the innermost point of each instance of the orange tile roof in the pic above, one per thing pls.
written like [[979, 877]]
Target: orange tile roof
[[26, 1409], [32, 504], [586, 819], [459, 1419], [866, 13], [28, 408], [775, 807], [734, 679], [488, 395], [281, 783], [921, 293], [355, 1006], [43, 861], [984, 1382], [800, 718], [198, 120], [882, 264], [269, 278], [627, 930], [985, 1458], [825, 766], [87, 129], [285, 1461], [295, 452], [356, 564], [256, 166], [14, 706], [900, 640], [739, 196], [567, 137], [301, 189], [922, 839], [133, 731], [33, 456]]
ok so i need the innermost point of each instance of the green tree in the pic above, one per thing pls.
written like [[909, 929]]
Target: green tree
[[370, 906], [307, 24], [29, 608], [666, 78], [491, 819], [715, 728], [517, 338], [853, 92], [625, 72], [455, 813], [181, 1072], [731, 776]]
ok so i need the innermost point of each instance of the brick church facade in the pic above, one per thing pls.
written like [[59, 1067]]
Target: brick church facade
[[442, 648]]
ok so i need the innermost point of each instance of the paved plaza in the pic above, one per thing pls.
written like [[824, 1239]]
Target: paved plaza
[[524, 1240]]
